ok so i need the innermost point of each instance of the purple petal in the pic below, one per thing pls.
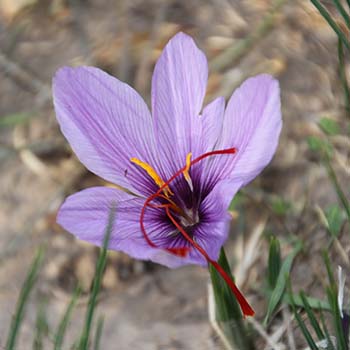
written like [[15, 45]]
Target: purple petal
[[106, 123], [209, 235], [85, 214], [211, 120], [178, 89], [252, 124]]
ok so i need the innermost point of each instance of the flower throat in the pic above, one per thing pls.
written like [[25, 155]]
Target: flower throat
[[165, 192]]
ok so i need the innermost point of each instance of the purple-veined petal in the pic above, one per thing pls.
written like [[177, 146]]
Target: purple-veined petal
[[106, 123], [211, 121], [85, 214], [178, 89], [216, 203], [252, 124], [210, 236]]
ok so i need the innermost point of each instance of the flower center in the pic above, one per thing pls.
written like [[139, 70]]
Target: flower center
[[189, 218]]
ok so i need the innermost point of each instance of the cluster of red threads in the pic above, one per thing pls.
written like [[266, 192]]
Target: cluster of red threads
[[183, 251]]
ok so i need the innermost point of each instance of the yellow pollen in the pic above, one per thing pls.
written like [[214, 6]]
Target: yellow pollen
[[186, 171], [153, 174]]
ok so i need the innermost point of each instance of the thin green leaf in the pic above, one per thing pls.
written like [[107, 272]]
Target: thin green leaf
[[329, 270], [23, 298], [314, 303], [330, 344], [341, 195], [274, 262], [62, 327], [332, 294], [100, 266], [279, 289], [329, 126], [342, 75], [337, 321], [305, 331], [335, 219], [312, 316], [42, 327], [300, 321], [98, 334], [343, 12], [322, 10], [227, 307], [228, 313]]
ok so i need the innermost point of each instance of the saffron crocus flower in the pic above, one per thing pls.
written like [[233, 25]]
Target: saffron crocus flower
[[182, 165]]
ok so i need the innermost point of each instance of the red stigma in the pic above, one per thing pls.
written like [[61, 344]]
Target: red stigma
[[183, 251]]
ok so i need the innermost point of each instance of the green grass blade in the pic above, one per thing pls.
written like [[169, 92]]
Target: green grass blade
[[337, 321], [343, 12], [325, 329], [314, 303], [305, 331], [312, 317], [42, 327], [62, 327], [274, 262], [330, 274], [279, 289], [228, 313], [332, 294], [341, 195], [23, 298], [325, 14], [100, 266], [227, 307], [98, 334], [342, 75], [310, 341], [335, 219]]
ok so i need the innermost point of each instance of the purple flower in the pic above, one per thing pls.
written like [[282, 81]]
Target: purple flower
[[208, 154]]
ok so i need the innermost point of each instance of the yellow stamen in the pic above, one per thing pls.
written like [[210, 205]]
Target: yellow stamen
[[186, 171], [153, 174]]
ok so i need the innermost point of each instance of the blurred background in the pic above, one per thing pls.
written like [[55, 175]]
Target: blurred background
[[147, 306]]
